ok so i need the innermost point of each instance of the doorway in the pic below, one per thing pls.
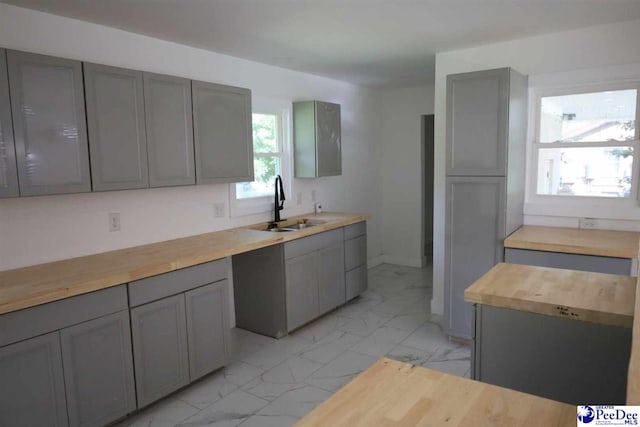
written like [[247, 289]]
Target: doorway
[[427, 187]]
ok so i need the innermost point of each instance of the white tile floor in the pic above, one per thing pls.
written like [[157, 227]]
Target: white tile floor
[[276, 382]]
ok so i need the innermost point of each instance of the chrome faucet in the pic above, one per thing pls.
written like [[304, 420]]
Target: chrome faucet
[[278, 202]]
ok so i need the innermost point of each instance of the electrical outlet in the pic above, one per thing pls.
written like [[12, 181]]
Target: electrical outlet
[[299, 198], [313, 195], [218, 210], [317, 207], [114, 221], [588, 223]]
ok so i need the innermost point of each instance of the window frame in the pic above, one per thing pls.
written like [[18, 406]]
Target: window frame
[[283, 111], [535, 146]]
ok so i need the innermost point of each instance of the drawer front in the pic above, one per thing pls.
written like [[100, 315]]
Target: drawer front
[[355, 230], [356, 282], [597, 264], [313, 243], [30, 322], [355, 252], [164, 285]]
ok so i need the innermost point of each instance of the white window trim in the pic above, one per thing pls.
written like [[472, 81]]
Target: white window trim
[[258, 205], [579, 206]]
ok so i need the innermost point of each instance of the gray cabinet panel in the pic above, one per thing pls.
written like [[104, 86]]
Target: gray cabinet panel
[[207, 328], [159, 331], [331, 291], [41, 319], [328, 136], [175, 282], [32, 387], [117, 136], [49, 124], [8, 168], [98, 370], [301, 290], [473, 242], [355, 252], [222, 133], [596, 264], [477, 122], [355, 230], [312, 243], [317, 139], [169, 125], [355, 282]]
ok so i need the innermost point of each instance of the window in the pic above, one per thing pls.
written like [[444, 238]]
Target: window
[[270, 126], [586, 142]]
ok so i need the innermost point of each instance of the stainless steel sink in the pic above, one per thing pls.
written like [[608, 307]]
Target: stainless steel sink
[[280, 230], [292, 227]]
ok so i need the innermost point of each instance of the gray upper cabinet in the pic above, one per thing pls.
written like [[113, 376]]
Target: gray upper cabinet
[[159, 331], [98, 370], [207, 328], [477, 123], [49, 124], [32, 386], [117, 136], [317, 139], [169, 125], [222, 133], [8, 169]]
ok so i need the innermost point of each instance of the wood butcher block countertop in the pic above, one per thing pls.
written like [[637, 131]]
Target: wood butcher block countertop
[[26, 287], [392, 393], [617, 244], [594, 297]]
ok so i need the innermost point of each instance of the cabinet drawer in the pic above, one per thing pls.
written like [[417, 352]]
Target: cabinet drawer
[[30, 322], [597, 264], [356, 282], [312, 243], [175, 282], [355, 252], [355, 230]]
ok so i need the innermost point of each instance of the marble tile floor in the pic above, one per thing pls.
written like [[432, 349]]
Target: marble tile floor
[[273, 382]]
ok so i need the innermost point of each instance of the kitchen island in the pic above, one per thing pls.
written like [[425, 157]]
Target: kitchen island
[[399, 394], [556, 333]]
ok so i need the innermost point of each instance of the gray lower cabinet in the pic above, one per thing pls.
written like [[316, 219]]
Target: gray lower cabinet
[[8, 169], [32, 385], [207, 328], [169, 125], [49, 125], [222, 133], [355, 259], [159, 331], [598, 264], [117, 136], [98, 370], [317, 139], [301, 290], [331, 293]]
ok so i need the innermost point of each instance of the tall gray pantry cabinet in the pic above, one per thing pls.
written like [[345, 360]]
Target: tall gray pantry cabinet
[[485, 163]]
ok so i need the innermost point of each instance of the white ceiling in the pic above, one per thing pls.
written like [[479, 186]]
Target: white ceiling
[[370, 42]]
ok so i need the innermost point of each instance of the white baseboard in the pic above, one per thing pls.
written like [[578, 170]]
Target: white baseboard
[[375, 261], [392, 259]]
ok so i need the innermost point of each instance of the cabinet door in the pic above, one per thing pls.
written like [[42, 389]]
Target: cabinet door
[[473, 242], [31, 385], [355, 252], [117, 137], [331, 289], [355, 282], [159, 331], [8, 169], [301, 290], [477, 121], [207, 328], [49, 125], [222, 132], [169, 124], [98, 370], [328, 139]]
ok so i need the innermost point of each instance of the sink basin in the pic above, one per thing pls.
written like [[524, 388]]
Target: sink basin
[[280, 230], [291, 225], [298, 226]]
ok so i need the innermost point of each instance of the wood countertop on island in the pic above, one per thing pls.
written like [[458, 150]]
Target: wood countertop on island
[[392, 393], [30, 286], [593, 297], [608, 243]]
